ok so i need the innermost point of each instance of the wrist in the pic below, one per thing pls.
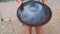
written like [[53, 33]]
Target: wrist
[[19, 3], [45, 2]]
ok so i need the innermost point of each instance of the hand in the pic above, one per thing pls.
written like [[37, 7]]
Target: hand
[[45, 2], [19, 4]]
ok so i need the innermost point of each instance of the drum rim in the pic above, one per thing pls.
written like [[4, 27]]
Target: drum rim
[[38, 24]]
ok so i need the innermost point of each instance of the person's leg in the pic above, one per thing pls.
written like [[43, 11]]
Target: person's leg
[[28, 29], [39, 30]]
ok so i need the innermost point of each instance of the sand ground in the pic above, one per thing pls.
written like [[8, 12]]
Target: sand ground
[[8, 10]]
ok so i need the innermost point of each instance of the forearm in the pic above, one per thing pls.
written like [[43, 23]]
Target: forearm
[[45, 1], [19, 1]]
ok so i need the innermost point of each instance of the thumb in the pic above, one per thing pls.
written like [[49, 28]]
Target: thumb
[[18, 5]]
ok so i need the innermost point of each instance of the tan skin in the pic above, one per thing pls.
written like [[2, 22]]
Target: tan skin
[[20, 2], [28, 29]]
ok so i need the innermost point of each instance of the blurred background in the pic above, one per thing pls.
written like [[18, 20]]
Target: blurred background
[[9, 24]]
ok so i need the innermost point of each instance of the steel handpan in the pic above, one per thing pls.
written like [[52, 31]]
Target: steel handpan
[[34, 13]]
